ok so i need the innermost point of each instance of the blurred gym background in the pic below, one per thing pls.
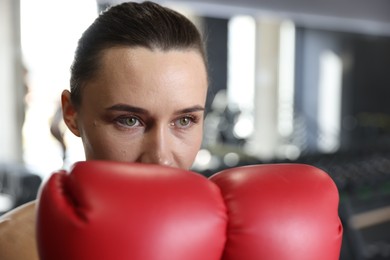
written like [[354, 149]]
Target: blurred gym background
[[291, 81]]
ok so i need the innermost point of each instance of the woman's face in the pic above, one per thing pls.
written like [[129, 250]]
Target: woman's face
[[144, 106]]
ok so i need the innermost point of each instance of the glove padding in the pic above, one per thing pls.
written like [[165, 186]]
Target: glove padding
[[280, 211], [110, 210], [107, 210]]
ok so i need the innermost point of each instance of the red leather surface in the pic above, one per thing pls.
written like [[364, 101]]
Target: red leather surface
[[110, 210], [285, 211], [106, 210]]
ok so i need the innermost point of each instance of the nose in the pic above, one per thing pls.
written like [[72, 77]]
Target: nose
[[157, 147]]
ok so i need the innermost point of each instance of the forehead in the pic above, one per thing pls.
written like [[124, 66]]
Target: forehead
[[141, 76]]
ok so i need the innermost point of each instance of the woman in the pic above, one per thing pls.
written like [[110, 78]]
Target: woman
[[137, 94]]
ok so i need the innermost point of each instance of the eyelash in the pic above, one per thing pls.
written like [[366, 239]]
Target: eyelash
[[193, 120], [121, 121]]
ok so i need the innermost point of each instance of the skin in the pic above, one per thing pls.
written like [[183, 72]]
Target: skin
[[144, 106], [17, 234]]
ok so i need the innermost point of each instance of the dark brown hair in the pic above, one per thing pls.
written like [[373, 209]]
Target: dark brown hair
[[131, 24]]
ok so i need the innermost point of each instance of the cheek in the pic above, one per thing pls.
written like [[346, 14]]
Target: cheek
[[190, 149], [115, 151], [102, 144]]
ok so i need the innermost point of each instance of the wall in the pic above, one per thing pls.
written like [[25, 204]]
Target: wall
[[11, 83], [363, 16]]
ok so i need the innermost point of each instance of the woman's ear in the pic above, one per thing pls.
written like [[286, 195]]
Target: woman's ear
[[69, 113]]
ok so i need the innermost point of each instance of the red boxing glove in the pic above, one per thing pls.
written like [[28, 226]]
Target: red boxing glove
[[280, 212], [111, 210]]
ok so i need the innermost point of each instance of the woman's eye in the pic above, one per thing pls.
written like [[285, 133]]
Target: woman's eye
[[184, 122], [129, 121]]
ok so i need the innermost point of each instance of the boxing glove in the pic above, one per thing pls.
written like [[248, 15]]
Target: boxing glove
[[110, 210], [280, 212]]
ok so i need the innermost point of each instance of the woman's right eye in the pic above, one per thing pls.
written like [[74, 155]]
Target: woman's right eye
[[129, 121]]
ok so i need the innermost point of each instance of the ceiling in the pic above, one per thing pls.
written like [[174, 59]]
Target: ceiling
[[366, 16]]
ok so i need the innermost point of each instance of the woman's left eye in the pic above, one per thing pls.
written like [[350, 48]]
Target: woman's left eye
[[184, 122]]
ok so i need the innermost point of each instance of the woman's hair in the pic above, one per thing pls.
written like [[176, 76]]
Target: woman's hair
[[146, 24]]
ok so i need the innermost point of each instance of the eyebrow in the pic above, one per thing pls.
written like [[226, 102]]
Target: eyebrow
[[127, 108], [134, 109], [192, 109]]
